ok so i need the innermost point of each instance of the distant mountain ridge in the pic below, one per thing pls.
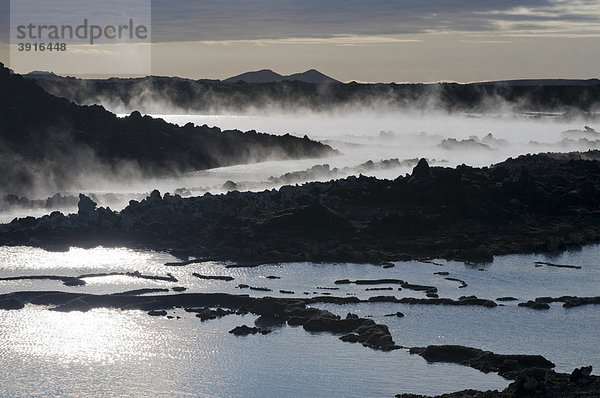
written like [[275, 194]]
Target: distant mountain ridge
[[268, 76], [151, 94], [43, 73]]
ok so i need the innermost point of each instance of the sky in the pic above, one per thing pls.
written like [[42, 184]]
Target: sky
[[369, 40]]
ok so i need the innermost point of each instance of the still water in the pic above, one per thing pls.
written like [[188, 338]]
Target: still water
[[128, 353]]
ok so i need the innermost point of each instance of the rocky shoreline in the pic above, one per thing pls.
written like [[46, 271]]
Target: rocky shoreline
[[293, 311], [532, 375], [534, 203]]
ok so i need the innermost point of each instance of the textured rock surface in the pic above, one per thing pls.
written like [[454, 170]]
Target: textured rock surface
[[532, 374], [533, 203]]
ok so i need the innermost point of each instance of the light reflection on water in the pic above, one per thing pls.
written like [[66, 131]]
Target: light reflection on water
[[99, 336], [512, 275], [76, 259], [112, 353]]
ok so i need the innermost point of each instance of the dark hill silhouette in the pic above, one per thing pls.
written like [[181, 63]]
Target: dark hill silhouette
[[40, 73], [41, 133], [205, 96], [260, 76], [311, 76], [268, 76]]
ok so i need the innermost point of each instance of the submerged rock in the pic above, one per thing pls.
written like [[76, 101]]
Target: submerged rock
[[508, 298], [206, 313], [214, 277], [157, 313], [397, 314], [246, 330], [535, 305]]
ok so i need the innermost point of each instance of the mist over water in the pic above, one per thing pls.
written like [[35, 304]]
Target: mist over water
[[129, 350], [444, 139], [373, 136]]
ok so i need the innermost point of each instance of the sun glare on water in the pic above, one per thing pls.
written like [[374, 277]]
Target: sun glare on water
[[99, 258], [98, 336]]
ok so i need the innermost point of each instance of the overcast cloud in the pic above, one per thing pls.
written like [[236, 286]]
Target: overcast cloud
[[215, 20], [192, 20]]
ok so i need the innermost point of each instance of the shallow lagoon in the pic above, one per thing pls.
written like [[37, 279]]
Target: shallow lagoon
[[110, 352]]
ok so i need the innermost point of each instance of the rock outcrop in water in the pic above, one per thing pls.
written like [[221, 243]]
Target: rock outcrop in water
[[279, 310], [542, 303], [532, 374], [52, 139], [246, 330], [506, 365], [543, 202], [79, 280]]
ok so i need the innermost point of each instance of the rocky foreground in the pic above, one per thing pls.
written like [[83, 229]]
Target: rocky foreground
[[544, 202]]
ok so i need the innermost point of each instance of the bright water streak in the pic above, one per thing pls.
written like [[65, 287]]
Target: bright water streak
[[115, 353]]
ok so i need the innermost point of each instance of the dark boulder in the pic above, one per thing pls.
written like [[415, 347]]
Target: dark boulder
[[214, 277], [579, 374], [421, 170], [86, 207]]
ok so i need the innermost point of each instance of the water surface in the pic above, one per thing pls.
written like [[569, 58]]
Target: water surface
[[116, 353]]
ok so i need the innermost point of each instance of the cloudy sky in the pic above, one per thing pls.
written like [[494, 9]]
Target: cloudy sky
[[374, 40]]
